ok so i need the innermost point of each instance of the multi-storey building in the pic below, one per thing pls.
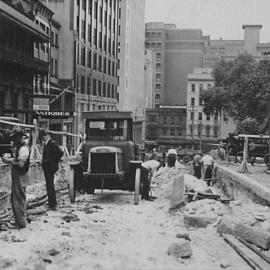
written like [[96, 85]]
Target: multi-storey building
[[88, 38], [166, 125], [131, 61], [200, 127], [24, 64]]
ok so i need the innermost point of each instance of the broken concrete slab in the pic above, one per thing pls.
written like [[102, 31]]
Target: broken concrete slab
[[257, 236], [198, 221], [226, 226], [181, 249], [177, 196]]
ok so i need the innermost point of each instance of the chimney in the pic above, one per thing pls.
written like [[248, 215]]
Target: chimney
[[251, 38]]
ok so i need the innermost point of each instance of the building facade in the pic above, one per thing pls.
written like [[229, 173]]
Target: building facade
[[24, 44], [131, 62], [149, 79], [88, 48], [166, 125]]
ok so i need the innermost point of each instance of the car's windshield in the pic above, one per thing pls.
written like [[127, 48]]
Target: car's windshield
[[110, 129]]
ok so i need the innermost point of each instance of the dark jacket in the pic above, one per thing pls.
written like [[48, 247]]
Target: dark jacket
[[51, 156]]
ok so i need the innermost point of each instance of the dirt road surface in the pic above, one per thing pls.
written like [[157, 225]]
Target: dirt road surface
[[107, 231]]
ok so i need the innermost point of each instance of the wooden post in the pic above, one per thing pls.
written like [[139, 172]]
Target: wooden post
[[66, 153], [35, 154], [244, 165]]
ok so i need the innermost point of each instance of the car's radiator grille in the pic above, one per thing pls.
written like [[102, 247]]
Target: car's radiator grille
[[103, 163]]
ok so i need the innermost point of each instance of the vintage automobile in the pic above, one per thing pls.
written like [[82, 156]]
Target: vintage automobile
[[258, 146], [5, 144], [108, 155]]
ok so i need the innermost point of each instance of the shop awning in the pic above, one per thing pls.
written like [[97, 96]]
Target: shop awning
[[22, 20]]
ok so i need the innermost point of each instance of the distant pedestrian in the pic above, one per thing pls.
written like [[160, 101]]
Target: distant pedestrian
[[50, 162], [207, 168], [197, 165], [19, 178], [172, 161]]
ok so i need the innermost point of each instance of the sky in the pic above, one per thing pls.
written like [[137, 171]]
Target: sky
[[217, 18]]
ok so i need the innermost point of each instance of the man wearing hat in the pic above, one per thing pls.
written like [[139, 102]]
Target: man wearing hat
[[50, 161], [19, 177]]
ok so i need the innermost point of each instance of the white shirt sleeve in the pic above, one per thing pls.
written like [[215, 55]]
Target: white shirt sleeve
[[23, 153]]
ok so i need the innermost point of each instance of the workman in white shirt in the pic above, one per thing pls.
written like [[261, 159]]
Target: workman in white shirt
[[148, 168], [207, 168]]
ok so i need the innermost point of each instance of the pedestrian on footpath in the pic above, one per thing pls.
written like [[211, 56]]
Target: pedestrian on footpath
[[147, 170], [50, 163], [197, 165], [207, 168], [19, 178]]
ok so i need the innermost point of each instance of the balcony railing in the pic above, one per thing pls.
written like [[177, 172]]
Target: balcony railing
[[21, 58]]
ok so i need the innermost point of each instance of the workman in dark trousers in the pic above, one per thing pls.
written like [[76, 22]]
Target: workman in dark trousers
[[19, 178], [50, 163], [197, 165], [147, 170]]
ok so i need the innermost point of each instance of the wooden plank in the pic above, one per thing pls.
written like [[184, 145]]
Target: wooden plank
[[253, 259]]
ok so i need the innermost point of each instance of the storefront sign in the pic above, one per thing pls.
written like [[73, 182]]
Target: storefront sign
[[55, 114], [41, 103]]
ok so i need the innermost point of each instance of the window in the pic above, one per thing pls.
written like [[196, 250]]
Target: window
[[192, 115], [172, 120], [96, 10], [56, 67], [164, 131], [82, 56], [209, 86], [157, 86], [104, 89], [90, 7], [158, 66], [208, 117], [164, 120], [172, 132], [158, 76], [95, 61], [200, 101], [158, 56], [200, 116], [192, 101], [100, 40], [82, 84], [104, 64], [89, 33], [84, 4], [109, 90], [89, 59], [207, 131], [200, 87], [99, 88], [193, 87], [157, 96], [88, 85], [100, 14], [100, 63], [94, 87], [83, 29]]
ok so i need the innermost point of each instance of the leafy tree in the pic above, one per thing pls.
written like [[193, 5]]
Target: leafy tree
[[242, 90], [249, 126]]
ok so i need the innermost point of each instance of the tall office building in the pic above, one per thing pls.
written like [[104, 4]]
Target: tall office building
[[177, 52], [131, 60], [88, 39]]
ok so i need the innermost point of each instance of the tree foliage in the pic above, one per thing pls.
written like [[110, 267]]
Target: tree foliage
[[242, 89]]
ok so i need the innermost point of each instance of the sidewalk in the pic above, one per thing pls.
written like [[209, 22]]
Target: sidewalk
[[257, 182]]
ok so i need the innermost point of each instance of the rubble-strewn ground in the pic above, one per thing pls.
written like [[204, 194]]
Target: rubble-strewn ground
[[107, 231]]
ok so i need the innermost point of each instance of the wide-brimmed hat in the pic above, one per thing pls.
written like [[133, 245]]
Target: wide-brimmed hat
[[43, 132], [16, 132]]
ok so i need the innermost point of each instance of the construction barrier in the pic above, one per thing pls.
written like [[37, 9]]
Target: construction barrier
[[35, 153]]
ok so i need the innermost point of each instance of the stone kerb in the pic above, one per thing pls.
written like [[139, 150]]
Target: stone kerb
[[240, 186]]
